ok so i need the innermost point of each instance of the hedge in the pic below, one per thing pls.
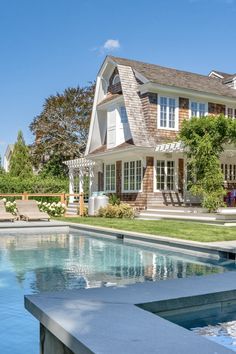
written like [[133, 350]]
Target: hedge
[[35, 184]]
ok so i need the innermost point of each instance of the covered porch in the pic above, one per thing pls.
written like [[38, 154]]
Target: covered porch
[[145, 177]]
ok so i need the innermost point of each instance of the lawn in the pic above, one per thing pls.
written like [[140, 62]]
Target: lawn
[[178, 229]]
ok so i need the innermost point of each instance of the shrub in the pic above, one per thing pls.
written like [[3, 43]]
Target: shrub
[[122, 211], [53, 209], [114, 200], [10, 206], [35, 184]]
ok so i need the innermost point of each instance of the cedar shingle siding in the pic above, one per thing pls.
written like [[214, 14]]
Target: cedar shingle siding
[[142, 112]]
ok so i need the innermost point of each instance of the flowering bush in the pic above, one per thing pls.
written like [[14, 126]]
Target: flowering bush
[[53, 209], [10, 206]]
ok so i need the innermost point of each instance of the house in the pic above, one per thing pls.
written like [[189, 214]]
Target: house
[[132, 148], [7, 157]]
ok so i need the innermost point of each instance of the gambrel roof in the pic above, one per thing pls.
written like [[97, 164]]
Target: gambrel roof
[[178, 78], [136, 79]]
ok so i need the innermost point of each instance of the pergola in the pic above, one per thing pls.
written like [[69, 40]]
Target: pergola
[[80, 167]]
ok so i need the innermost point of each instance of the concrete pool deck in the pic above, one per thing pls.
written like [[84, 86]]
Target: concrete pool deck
[[108, 320]]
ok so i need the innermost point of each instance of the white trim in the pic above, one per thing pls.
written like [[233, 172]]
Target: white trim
[[122, 171], [104, 179], [198, 103], [184, 92], [115, 77], [177, 146], [91, 126], [213, 73], [176, 181], [176, 128], [140, 76], [113, 102]]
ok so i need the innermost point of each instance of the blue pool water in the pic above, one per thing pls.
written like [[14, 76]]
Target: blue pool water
[[222, 333], [38, 263]]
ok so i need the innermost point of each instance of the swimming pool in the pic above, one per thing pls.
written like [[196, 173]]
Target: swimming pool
[[36, 263]]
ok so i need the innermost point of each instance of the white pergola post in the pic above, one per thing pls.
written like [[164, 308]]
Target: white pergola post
[[82, 165], [91, 176], [81, 180], [71, 184]]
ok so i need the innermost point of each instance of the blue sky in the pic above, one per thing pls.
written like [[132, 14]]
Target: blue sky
[[48, 45]]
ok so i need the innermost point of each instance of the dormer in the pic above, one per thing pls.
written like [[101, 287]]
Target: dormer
[[226, 79], [114, 85], [230, 81]]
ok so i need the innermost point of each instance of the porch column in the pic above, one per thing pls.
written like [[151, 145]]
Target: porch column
[[71, 184], [91, 180]]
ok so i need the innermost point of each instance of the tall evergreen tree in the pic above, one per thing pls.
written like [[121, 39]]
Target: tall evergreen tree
[[20, 164]]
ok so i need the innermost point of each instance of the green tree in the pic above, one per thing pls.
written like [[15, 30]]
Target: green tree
[[20, 163], [204, 139], [61, 129]]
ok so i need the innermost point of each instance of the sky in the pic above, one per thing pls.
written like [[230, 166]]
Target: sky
[[49, 45]]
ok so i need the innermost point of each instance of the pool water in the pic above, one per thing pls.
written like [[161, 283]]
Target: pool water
[[38, 263], [223, 333]]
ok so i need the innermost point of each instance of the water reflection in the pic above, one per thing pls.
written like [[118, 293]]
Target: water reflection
[[57, 262], [38, 263]]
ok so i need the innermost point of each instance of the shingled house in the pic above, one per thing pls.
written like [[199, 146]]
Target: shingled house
[[137, 114]]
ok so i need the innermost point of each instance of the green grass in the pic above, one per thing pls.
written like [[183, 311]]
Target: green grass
[[171, 228]]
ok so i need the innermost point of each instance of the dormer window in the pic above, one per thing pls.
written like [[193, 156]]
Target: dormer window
[[116, 80]]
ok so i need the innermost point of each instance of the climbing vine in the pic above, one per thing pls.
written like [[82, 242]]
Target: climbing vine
[[204, 139]]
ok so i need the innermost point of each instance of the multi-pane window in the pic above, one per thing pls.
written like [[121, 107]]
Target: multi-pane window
[[165, 175], [110, 178], [132, 179], [168, 113], [160, 175], [170, 175], [229, 172], [231, 112], [198, 109], [123, 115]]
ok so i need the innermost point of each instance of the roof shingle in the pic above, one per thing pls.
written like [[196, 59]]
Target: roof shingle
[[178, 78]]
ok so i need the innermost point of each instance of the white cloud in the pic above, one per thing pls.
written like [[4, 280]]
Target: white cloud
[[111, 44]]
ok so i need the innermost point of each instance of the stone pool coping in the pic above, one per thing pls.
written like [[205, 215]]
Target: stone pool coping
[[211, 250], [107, 320], [31, 224]]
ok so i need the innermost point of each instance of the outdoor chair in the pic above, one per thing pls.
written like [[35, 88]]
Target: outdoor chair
[[29, 210], [5, 215]]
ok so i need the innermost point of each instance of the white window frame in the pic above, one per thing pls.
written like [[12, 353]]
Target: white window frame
[[105, 176], [198, 104], [115, 78], [123, 168], [176, 128], [176, 181], [234, 111]]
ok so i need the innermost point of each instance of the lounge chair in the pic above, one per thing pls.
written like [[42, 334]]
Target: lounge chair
[[5, 215], [29, 210]]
